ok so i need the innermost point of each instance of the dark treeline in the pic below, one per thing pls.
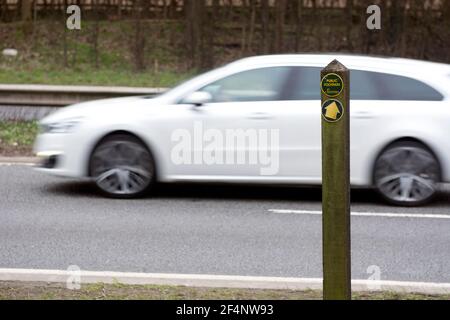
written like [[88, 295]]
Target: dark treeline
[[410, 28]]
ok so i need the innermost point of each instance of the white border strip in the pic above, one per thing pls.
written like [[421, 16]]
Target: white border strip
[[369, 214], [214, 281], [16, 164], [11, 161]]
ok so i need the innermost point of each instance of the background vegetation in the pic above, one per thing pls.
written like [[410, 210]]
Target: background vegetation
[[117, 291], [161, 42]]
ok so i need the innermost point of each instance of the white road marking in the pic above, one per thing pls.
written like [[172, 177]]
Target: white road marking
[[213, 281], [10, 164], [368, 214]]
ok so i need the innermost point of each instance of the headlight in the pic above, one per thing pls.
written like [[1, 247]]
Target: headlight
[[65, 126]]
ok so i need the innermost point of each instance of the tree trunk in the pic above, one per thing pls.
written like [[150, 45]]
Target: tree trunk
[[251, 31], [26, 10], [396, 23], [265, 17], [317, 17], [208, 49], [194, 26], [119, 9], [95, 34], [349, 25], [280, 20], [139, 40], [65, 45], [298, 22]]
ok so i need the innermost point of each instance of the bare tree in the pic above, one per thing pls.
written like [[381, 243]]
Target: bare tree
[[194, 15], [139, 39], [96, 31], [218, 30], [251, 31], [279, 22], [265, 20], [3, 8], [26, 10], [65, 44], [298, 21], [349, 25]]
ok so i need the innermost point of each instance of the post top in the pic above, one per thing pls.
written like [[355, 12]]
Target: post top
[[334, 66]]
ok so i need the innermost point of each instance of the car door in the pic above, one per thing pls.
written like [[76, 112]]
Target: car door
[[238, 135], [301, 155], [301, 126], [305, 142]]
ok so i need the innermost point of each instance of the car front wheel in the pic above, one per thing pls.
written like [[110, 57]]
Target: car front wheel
[[122, 167], [407, 174]]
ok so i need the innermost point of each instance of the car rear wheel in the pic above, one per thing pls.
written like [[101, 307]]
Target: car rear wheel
[[122, 167], [407, 174]]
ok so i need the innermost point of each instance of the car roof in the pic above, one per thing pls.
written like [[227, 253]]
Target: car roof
[[351, 61]]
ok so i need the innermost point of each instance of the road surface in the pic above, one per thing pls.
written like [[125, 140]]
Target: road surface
[[52, 223]]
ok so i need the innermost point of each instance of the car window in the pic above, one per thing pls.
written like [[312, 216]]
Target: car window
[[304, 84], [265, 84], [363, 86], [368, 85], [394, 87]]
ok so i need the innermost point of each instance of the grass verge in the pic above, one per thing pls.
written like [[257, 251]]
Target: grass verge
[[55, 291], [17, 137], [91, 76], [43, 59]]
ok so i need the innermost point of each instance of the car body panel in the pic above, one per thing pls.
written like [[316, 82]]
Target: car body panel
[[374, 125]]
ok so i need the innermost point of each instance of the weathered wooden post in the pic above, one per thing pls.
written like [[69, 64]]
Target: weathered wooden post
[[335, 87]]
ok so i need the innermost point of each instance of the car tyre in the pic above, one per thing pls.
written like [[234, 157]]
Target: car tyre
[[122, 167], [407, 174]]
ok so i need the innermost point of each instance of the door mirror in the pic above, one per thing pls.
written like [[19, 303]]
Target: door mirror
[[198, 98]]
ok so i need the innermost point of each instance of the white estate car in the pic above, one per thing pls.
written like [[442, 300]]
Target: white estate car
[[258, 120]]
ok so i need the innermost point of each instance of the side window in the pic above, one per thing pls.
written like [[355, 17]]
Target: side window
[[304, 84], [396, 87], [366, 85], [265, 84], [363, 86]]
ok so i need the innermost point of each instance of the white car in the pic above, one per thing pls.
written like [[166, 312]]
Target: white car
[[258, 120]]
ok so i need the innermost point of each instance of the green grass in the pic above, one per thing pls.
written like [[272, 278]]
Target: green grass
[[41, 56], [17, 137], [117, 291], [91, 76], [20, 133]]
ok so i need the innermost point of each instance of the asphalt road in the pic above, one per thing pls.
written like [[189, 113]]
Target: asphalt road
[[51, 223]]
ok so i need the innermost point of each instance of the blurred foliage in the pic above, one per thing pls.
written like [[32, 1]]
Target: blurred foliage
[[18, 133], [159, 43], [42, 61]]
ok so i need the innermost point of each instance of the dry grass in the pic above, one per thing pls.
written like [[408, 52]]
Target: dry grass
[[47, 291]]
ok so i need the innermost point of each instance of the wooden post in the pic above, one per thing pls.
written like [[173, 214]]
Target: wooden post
[[335, 87]]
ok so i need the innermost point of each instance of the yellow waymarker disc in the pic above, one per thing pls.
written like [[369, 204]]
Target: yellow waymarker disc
[[332, 110]]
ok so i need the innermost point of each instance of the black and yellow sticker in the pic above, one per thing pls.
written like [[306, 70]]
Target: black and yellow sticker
[[332, 85], [332, 110]]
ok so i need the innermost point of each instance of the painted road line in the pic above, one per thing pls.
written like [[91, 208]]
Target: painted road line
[[368, 214], [213, 281]]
